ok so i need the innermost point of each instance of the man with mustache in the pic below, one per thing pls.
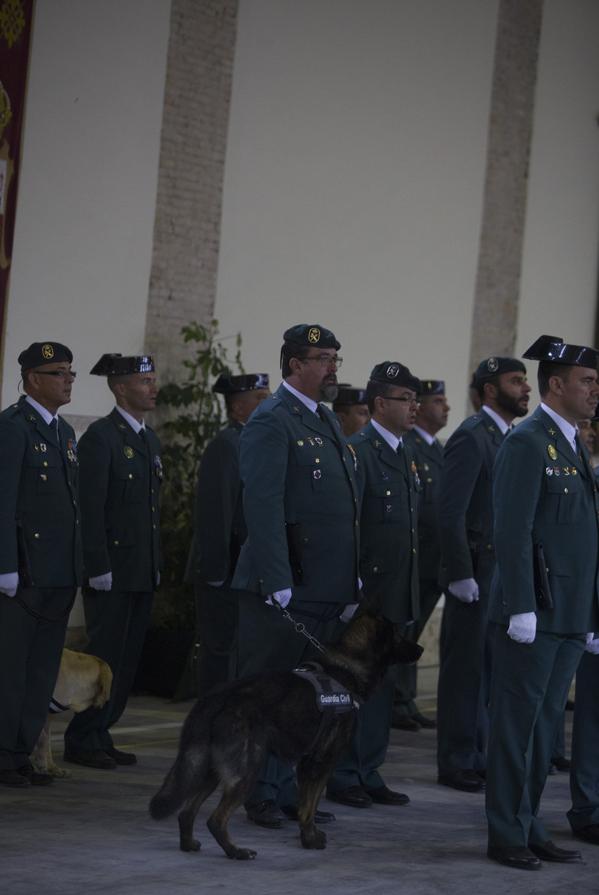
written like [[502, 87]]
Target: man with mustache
[[40, 551], [544, 602], [388, 566], [467, 565], [302, 515]]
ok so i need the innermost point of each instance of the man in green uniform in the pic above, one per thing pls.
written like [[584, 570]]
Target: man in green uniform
[[467, 564], [351, 407], [544, 600], [219, 531], [302, 515], [428, 454], [121, 472], [40, 551], [388, 566]]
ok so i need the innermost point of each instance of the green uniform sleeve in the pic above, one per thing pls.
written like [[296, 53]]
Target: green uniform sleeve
[[462, 465], [12, 451], [216, 499], [94, 471]]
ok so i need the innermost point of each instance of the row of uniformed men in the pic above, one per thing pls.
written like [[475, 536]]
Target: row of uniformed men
[[67, 507], [307, 492]]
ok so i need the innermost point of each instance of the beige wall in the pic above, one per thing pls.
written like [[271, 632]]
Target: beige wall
[[83, 240]]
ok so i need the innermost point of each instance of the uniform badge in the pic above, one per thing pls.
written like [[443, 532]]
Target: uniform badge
[[556, 470], [552, 452], [158, 466], [414, 469], [43, 447], [574, 471], [128, 452], [549, 470], [392, 371], [350, 448], [318, 440], [316, 474], [47, 352], [314, 335], [492, 365], [566, 470]]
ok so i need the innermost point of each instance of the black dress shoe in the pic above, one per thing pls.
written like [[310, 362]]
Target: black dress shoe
[[265, 814], [464, 780], [90, 758], [423, 721], [588, 834], [354, 796], [382, 795], [320, 817], [550, 852], [10, 777], [404, 722], [121, 757], [560, 762], [35, 777], [518, 857]]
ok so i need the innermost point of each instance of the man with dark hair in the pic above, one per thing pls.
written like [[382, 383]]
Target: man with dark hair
[[431, 417], [301, 509], [121, 473], [219, 531], [467, 564], [351, 408], [544, 602], [40, 552], [388, 566]]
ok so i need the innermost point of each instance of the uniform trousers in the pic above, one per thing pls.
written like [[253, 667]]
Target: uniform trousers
[[269, 642], [584, 775], [529, 689], [32, 632], [407, 675], [116, 623], [217, 614]]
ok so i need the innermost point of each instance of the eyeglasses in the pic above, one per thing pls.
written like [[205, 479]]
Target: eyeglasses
[[405, 400], [324, 360], [62, 374]]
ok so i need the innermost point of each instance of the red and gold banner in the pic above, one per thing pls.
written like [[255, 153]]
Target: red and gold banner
[[15, 34]]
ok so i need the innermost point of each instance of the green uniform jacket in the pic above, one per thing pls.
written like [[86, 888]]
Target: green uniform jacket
[[429, 464], [219, 525], [545, 494], [466, 501], [120, 485], [389, 538], [300, 504], [39, 514]]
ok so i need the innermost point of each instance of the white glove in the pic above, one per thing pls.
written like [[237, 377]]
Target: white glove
[[523, 627], [360, 583], [282, 597], [466, 590], [101, 582], [592, 644], [9, 583], [348, 612]]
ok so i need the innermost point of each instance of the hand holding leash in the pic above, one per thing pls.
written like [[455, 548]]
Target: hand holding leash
[[592, 644], [9, 583], [523, 627], [101, 582], [465, 590], [280, 598]]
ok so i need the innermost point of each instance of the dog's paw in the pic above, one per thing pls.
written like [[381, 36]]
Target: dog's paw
[[59, 773], [314, 838], [242, 854], [190, 845]]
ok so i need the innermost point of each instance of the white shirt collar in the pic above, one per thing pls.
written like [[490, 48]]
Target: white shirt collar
[[430, 439], [43, 412], [135, 424], [499, 421], [392, 440], [568, 430], [308, 402]]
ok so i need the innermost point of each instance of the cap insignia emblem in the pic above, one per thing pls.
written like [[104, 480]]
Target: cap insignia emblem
[[392, 371], [492, 365], [47, 352], [313, 335]]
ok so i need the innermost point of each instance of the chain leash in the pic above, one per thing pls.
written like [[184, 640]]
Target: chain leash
[[300, 628]]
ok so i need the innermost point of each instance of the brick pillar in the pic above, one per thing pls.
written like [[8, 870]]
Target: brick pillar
[[190, 179], [495, 314]]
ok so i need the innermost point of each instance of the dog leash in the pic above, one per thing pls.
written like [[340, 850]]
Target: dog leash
[[300, 628]]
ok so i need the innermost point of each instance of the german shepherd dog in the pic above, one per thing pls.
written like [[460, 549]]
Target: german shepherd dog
[[228, 733]]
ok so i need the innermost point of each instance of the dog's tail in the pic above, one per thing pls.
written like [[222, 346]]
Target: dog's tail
[[104, 684], [190, 765]]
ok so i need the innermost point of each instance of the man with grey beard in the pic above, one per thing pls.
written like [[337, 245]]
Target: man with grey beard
[[301, 506]]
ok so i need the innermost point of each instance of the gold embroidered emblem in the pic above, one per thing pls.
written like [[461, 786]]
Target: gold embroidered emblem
[[128, 452], [552, 452], [313, 335], [12, 21], [47, 352]]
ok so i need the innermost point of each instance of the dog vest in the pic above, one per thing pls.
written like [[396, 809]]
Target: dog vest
[[331, 696]]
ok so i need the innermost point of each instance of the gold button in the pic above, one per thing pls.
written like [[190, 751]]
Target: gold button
[[43, 477], [153, 510], [413, 550], [375, 568], [130, 475], [429, 480], [565, 490], [316, 459], [388, 493], [116, 543], [45, 463], [153, 526], [36, 534]]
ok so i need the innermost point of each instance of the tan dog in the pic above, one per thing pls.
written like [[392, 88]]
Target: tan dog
[[82, 681]]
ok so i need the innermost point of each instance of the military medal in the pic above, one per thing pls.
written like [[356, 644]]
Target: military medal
[[43, 447], [552, 452], [128, 452], [415, 473], [350, 448], [316, 474], [158, 466], [549, 470]]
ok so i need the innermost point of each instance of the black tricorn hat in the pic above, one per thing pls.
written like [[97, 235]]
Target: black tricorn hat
[[41, 353], [227, 384], [348, 396], [117, 365], [394, 373], [431, 387], [554, 350], [495, 366]]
